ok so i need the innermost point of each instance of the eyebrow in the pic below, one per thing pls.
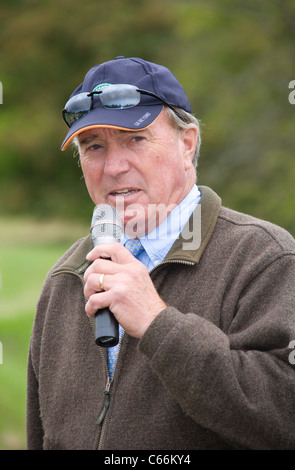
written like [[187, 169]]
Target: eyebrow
[[92, 137], [88, 139]]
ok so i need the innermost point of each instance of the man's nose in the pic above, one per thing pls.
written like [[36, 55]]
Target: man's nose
[[116, 161]]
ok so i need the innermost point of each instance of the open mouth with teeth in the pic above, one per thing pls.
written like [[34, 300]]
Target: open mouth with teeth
[[124, 192]]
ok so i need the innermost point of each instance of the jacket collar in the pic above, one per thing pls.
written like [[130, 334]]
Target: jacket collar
[[207, 211], [201, 224]]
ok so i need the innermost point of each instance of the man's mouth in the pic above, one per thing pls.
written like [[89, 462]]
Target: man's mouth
[[124, 192]]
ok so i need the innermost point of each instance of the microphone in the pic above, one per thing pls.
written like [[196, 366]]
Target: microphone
[[106, 227]]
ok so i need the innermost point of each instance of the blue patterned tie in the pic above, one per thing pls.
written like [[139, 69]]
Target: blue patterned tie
[[135, 247]]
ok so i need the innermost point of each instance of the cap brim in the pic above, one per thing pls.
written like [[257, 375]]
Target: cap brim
[[131, 119]]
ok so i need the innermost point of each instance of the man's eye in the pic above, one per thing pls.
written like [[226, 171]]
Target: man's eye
[[137, 138], [94, 147]]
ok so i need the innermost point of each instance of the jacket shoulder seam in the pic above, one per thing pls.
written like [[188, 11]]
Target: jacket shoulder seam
[[262, 226]]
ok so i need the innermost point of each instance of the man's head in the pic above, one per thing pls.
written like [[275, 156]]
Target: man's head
[[124, 93], [136, 137]]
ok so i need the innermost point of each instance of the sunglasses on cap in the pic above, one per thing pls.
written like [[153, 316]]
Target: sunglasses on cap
[[121, 96]]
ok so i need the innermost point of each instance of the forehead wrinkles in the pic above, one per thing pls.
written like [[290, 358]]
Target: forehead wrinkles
[[89, 136]]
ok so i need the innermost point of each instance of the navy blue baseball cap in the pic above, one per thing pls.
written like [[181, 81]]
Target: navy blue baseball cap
[[159, 83]]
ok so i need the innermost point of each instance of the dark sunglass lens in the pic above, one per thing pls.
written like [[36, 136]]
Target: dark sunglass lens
[[70, 118], [77, 107], [81, 102], [120, 97]]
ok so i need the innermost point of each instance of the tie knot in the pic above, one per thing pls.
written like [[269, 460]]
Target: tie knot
[[135, 247]]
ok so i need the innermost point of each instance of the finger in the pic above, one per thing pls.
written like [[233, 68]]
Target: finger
[[95, 283], [97, 302], [105, 266], [114, 251]]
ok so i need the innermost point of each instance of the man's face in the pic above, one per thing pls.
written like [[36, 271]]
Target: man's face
[[138, 171]]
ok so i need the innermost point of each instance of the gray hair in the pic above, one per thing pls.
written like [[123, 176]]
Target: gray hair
[[179, 120]]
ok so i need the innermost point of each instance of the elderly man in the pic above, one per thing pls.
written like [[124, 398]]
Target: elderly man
[[206, 327]]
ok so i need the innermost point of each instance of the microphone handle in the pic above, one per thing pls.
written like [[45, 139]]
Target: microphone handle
[[106, 328]]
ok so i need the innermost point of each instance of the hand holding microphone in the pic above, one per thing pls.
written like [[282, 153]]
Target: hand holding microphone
[[106, 227], [129, 295]]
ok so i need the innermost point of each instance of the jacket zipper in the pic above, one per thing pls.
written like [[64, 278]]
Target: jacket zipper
[[171, 261], [103, 418], [106, 402]]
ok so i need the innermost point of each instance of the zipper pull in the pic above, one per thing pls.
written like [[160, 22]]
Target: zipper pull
[[106, 403]]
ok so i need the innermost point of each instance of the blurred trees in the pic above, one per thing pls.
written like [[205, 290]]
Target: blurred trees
[[235, 60]]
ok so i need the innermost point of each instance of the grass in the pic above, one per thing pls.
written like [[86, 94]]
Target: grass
[[28, 248]]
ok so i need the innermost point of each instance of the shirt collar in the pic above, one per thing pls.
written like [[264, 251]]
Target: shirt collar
[[158, 242]]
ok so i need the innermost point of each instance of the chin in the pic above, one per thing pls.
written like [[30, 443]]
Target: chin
[[134, 227]]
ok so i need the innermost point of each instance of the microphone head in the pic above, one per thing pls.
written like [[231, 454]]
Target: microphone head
[[106, 225]]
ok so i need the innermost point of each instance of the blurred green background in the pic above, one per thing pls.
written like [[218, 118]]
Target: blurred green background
[[234, 58]]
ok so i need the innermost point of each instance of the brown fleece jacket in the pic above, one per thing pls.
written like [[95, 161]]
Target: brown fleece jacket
[[212, 371]]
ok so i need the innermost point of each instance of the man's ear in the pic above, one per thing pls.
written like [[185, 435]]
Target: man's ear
[[189, 139]]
